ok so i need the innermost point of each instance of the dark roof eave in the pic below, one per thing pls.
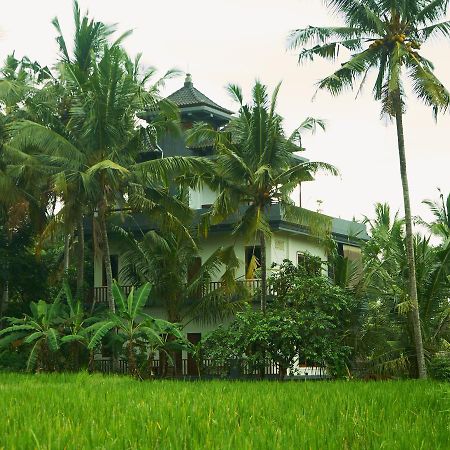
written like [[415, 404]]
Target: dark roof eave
[[222, 113]]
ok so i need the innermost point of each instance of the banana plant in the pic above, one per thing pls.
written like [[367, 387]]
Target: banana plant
[[135, 330], [42, 330], [77, 331]]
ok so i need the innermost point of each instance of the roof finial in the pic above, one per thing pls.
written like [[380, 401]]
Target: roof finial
[[188, 80]]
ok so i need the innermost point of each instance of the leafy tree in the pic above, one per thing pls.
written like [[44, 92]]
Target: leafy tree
[[385, 36], [77, 322], [22, 273], [307, 321], [255, 166]]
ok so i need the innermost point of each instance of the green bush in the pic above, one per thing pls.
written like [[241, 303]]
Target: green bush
[[440, 367], [306, 321], [13, 361]]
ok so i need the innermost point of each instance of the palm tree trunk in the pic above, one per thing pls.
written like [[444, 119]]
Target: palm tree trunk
[[415, 315], [262, 240], [66, 253], [4, 295], [4, 299], [106, 257], [80, 266]]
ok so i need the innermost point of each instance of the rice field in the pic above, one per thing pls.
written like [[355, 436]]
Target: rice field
[[82, 411]]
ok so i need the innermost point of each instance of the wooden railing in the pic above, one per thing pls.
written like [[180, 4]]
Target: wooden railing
[[100, 293], [252, 284]]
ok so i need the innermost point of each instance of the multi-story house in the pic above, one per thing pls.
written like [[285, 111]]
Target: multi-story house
[[289, 240]]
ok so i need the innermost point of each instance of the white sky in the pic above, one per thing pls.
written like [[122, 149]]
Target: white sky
[[238, 41]]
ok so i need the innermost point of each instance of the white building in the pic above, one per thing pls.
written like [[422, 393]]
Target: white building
[[289, 240]]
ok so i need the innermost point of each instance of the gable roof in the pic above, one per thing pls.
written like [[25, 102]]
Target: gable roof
[[189, 96]]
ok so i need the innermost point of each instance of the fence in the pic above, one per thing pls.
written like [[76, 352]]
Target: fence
[[208, 368]]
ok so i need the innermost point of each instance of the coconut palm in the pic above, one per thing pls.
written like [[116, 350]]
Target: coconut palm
[[255, 166], [168, 261], [95, 151], [388, 332], [386, 37], [440, 226], [24, 186]]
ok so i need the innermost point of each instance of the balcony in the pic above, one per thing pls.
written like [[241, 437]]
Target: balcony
[[100, 296]]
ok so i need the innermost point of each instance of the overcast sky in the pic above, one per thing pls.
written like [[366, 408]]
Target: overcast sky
[[238, 41]]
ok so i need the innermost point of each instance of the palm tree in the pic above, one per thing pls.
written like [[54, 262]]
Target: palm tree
[[255, 167], [440, 226], [387, 37], [24, 190], [169, 260], [94, 145], [388, 333]]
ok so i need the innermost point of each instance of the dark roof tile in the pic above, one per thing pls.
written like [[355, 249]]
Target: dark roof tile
[[188, 95]]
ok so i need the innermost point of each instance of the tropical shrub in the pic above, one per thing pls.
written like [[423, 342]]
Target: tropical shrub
[[439, 367], [135, 333], [39, 331], [306, 322]]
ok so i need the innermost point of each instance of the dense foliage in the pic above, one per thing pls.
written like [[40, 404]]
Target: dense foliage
[[386, 38], [305, 323], [76, 155], [62, 335]]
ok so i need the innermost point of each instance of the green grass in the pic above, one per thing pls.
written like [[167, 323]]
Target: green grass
[[84, 412]]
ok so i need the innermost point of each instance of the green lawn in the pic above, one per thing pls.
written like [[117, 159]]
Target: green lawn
[[83, 412]]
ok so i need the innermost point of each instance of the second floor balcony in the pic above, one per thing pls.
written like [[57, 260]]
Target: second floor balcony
[[253, 285]]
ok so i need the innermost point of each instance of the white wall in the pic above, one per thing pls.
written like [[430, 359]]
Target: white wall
[[282, 245], [286, 245], [215, 240], [204, 196]]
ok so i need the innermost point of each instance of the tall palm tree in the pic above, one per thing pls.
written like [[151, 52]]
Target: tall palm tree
[[95, 144], [255, 167], [24, 186], [386, 37], [388, 333]]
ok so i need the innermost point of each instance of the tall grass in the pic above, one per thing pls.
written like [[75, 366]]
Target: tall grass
[[84, 412]]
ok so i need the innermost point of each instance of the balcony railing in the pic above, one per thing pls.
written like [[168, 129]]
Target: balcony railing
[[253, 285], [100, 293]]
